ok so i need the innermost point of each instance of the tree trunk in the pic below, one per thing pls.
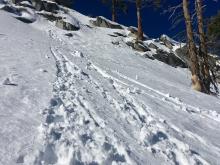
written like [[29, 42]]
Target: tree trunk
[[203, 47], [113, 10], [194, 65], [140, 28]]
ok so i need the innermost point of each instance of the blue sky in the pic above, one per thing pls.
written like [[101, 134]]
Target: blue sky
[[154, 22]]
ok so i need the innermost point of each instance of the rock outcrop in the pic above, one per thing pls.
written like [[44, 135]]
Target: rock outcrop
[[48, 6], [133, 32], [169, 58], [67, 25], [138, 45], [103, 22], [165, 40], [214, 60]]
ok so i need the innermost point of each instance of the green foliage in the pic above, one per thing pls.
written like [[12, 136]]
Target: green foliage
[[214, 27]]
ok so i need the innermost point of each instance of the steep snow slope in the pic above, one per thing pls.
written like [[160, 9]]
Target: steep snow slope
[[109, 104], [27, 72]]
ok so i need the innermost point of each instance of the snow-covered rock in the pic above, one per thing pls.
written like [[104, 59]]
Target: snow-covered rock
[[45, 5], [103, 22], [65, 24], [133, 32]]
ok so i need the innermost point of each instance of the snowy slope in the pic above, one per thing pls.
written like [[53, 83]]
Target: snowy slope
[[24, 63], [107, 103]]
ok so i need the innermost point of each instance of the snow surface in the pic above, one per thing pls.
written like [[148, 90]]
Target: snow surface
[[83, 100]]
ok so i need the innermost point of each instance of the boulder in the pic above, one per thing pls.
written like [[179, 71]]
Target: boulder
[[103, 22], [138, 45], [26, 4], [115, 42], [69, 34], [153, 46], [133, 32], [214, 61], [48, 6], [120, 34], [165, 40], [169, 58], [10, 9], [183, 54], [50, 16], [66, 25]]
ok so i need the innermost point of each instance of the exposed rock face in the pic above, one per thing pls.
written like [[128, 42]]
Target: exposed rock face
[[103, 22], [10, 9], [24, 14], [65, 25], [26, 4], [48, 6], [170, 59], [50, 16], [166, 42], [138, 45], [151, 45], [214, 61], [183, 54], [133, 32]]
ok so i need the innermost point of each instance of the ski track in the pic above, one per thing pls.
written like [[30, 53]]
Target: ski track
[[75, 133]]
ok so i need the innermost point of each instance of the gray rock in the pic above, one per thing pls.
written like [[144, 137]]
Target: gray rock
[[120, 34], [103, 22], [26, 4], [115, 42], [151, 45], [63, 24], [10, 9], [166, 42], [133, 32], [48, 6], [69, 34], [50, 16], [170, 59], [183, 54], [138, 45]]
